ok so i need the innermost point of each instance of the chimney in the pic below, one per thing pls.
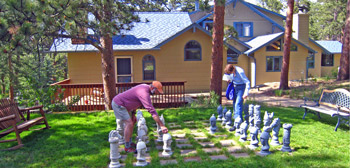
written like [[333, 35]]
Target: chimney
[[196, 5], [301, 27]]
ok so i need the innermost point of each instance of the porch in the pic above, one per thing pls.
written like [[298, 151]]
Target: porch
[[90, 97]]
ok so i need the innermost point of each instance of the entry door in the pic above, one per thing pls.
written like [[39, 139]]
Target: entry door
[[123, 69]]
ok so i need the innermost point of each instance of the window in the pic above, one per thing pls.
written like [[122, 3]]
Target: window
[[293, 47], [208, 25], [311, 60], [327, 59], [148, 66], [273, 63], [193, 51], [244, 29], [123, 69], [232, 56], [275, 46]]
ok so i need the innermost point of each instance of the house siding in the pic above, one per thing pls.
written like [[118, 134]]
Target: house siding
[[316, 72]]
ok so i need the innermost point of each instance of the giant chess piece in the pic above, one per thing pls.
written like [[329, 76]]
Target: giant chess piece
[[286, 138], [251, 115], [142, 130], [244, 128], [229, 119], [219, 110], [212, 127], [276, 125], [141, 153], [267, 119], [224, 117], [238, 122], [120, 129], [139, 115], [159, 129], [264, 139], [167, 145], [254, 141], [113, 139], [257, 119]]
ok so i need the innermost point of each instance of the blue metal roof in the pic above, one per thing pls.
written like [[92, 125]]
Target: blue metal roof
[[143, 36], [334, 47]]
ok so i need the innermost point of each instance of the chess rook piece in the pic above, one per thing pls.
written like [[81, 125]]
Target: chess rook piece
[[114, 155], [264, 139], [267, 119], [141, 153], [276, 125], [120, 129], [159, 130], [228, 119], [219, 110], [167, 145], [254, 142], [238, 122], [243, 128], [286, 138], [212, 127]]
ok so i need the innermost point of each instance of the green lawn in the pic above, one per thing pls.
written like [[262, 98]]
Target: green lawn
[[81, 140]]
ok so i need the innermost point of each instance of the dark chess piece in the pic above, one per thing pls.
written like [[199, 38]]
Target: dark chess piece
[[212, 127], [219, 110], [276, 125], [264, 139], [286, 138]]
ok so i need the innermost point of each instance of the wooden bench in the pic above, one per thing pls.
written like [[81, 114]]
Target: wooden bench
[[13, 120], [335, 103]]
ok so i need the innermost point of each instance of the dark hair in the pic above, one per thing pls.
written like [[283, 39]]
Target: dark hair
[[229, 69]]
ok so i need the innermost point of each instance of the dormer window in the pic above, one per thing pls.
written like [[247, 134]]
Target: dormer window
[[232, 56], [275, 46], [244, 29], [208, 25]]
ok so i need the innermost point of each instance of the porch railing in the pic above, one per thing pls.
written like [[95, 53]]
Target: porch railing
[[90, 97]]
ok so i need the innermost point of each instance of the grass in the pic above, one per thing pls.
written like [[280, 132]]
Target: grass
[[81, 140]]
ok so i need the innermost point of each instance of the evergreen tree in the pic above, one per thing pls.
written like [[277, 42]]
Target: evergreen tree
[[273, 5]]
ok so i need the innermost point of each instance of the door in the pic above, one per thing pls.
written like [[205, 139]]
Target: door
[[123, 69]]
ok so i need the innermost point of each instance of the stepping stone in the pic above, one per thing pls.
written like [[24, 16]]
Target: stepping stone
[[176, 131], [228, 142], [164, 162], [239, 155], [185, 152], [219, 136], [178, 135], [160, 155], [175, 126], [191, 159], [189, 122], [207, 144], [210, 150], [183, 145], [218, 157], [232, 149], [159, 147], [199, 134], [200, 138], [181, 141]]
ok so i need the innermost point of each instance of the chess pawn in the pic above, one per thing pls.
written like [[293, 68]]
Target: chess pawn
[[113, 139], [238, 122], [167, 145], [286, 138], [224, 117], [264, 138], [243, 128], [254, 142], [141, 153], [219, 110], [267, 119], [228, 119], [276, 125], [139, 115], [120, 129], [212, 127]]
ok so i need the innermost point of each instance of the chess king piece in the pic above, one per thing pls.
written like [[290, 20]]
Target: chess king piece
[[264, 139], [142, 130], [251, 115], [228, 119], [238, 122], [244, 128], [267, 119], [212, 127], [120, 129], [276, 125], [219, 110], [167, 145], [224, 117], [159, 130], [114, 155], [139, 115], [141, 153], [254, 142], [286, 138]]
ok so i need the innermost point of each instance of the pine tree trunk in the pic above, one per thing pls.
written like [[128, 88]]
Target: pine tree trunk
[[286, 47], [11, 91], [345, 55], [3, 85], [108, 73], [217, 48]]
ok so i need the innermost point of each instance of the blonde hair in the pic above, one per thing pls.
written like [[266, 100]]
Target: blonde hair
[[229, 69]]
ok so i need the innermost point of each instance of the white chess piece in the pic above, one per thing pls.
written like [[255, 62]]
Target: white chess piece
[[139, 115], [114, 149], [120, 129], [167, 145], [142, 130], [159, 130], [141, 153]]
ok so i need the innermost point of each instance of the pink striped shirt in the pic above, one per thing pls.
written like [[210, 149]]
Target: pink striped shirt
[[135, 97]]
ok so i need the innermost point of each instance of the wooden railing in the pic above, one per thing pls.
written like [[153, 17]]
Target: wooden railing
[[90, 97]]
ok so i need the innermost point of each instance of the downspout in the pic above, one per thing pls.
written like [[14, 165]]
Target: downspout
[[252, 84]]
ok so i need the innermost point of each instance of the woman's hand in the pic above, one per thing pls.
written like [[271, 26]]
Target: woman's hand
[[164, 129]]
